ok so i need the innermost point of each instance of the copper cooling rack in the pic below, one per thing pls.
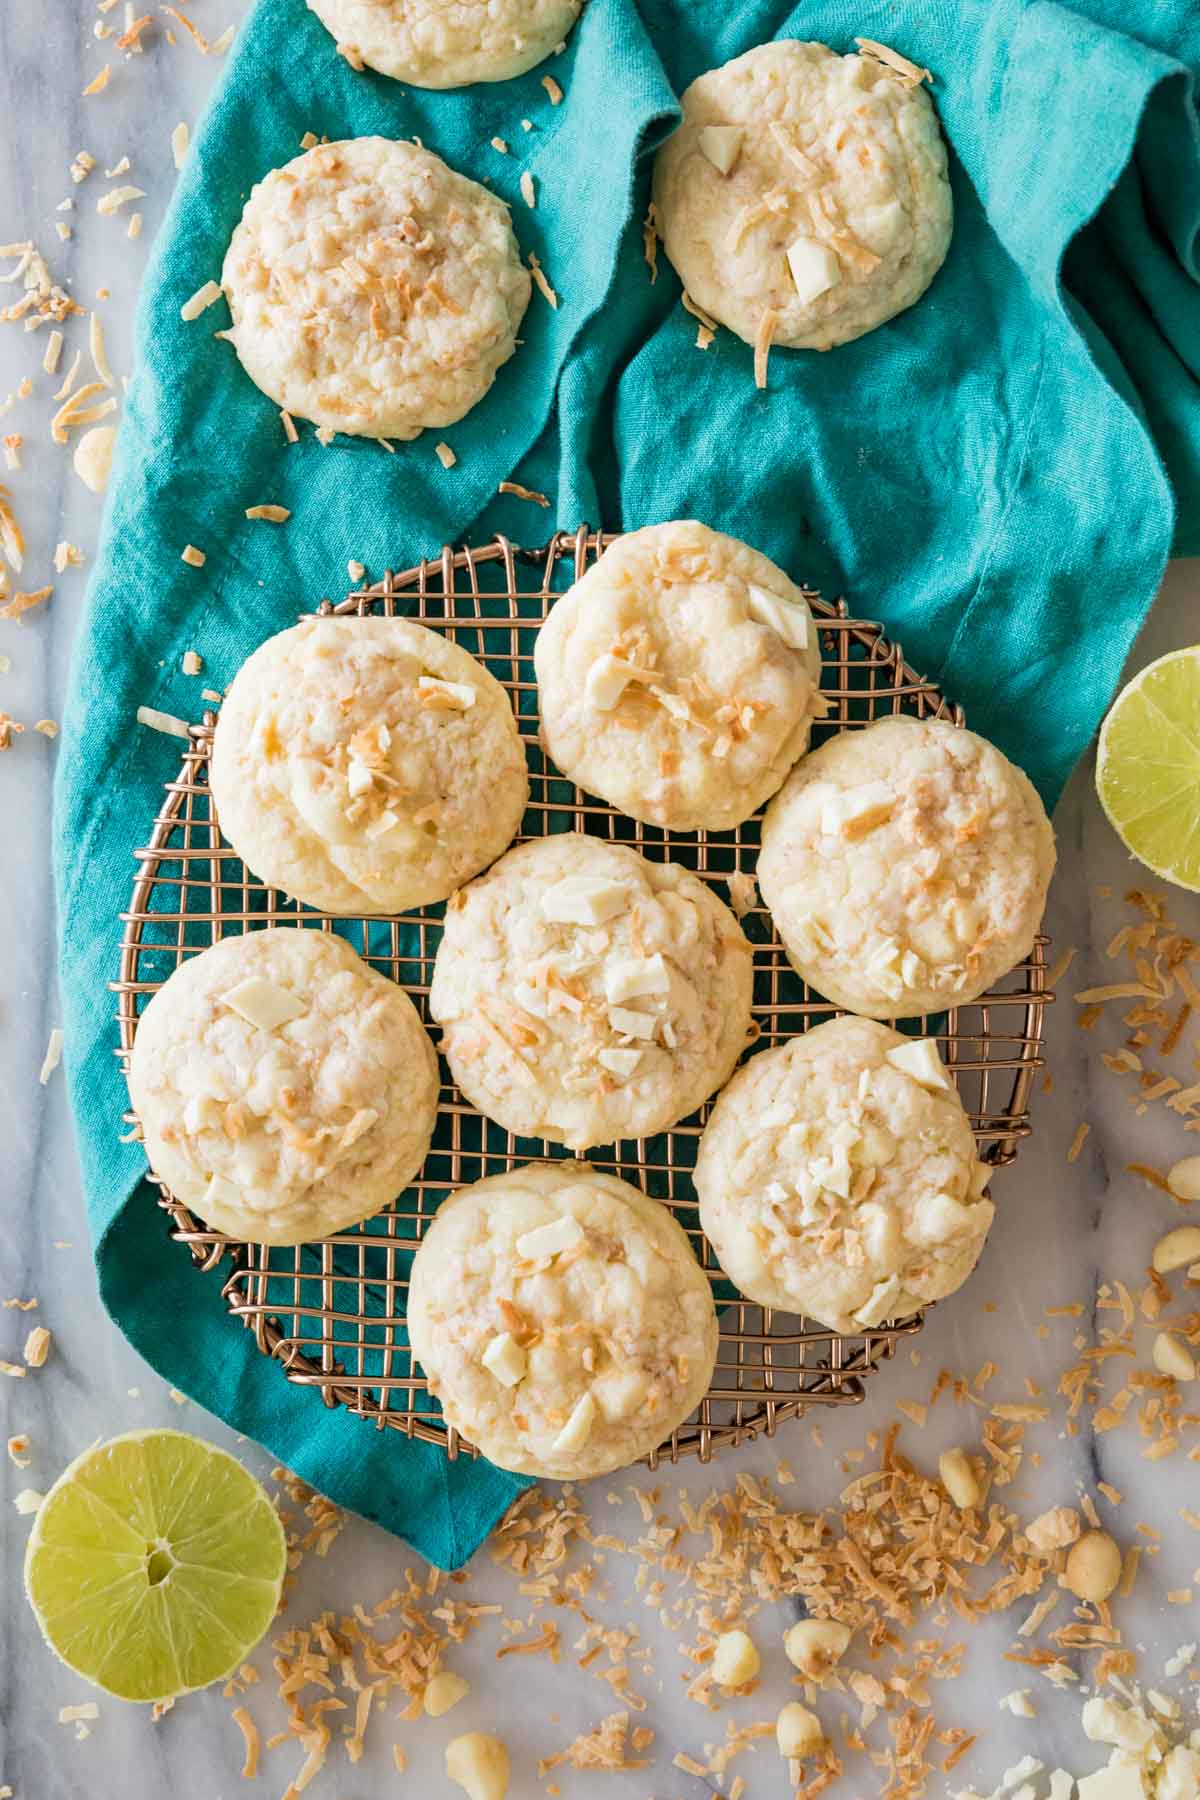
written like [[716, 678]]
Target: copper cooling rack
[[332, 1312]]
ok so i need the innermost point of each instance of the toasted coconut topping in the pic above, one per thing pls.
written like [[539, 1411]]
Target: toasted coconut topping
[[23, 603], [162, 721], [522, 493], [764, 337], [540, 282], [118, 197], [528, 193], [201, 300], [97, 85], [194, 558], [445, 455], [180, 138], [53, 1055], [552, 88], [911, 72], [276, 515]]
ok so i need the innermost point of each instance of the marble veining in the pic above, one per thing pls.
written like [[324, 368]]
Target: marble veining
[[1060, 1225]]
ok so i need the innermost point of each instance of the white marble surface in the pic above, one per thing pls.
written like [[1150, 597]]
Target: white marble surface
[[1058, 1227]]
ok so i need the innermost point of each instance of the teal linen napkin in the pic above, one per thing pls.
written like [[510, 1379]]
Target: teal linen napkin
[[999, 474]]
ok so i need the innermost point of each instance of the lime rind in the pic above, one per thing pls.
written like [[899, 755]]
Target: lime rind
[[1148, 767]]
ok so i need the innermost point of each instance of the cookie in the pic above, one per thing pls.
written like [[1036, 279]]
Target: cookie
[[837, 1177], [561, 1319], [285, 1090], [373, 289], [448, 43], [677, 678], [366, 765], [587, 995], [804, 199], [906, 867]]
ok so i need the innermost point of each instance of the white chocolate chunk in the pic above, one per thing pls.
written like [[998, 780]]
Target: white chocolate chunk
[[620, 1062], [628, 977], [575, 1433], [584, 900], [1172, 1357], [620, 1392], [789, 619], [549, 1239], [798, 1731], [1177, 1248], [505, 1359], [478, 1764], [857, 811], [815, 268], [219, 1192], [880, 1304], [458, 695], [1183, 1178], [1119, 1781], [607, 680], [263, 1003], [442, 1691], [920, 1059], [938, 1217], [721, 144], [628, 1023]]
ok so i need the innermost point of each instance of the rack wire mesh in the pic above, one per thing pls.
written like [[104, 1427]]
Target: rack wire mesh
[[332, 1312]]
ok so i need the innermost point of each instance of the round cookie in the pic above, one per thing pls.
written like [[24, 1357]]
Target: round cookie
[[587, 995], [373, 289], [804, 199], [837, 1177], [366, 765], [905, 866], [285, 1090], [562, 1320], [678, 677], [448, 43]]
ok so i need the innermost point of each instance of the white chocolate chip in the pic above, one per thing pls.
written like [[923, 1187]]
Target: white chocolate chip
[[263, 1003], [937, 1218], [1104, 1722], [881, 1303], [549, 1239], [627, 1023], [93, 456], [575, 1433], [1172, 1357], [505, 1359], [442, 1691], [584, 900], [721, 144], [859, 810], [735, 1659], [618, 1061], [1178, 1247], [628, 977], [607, 680], [815, 268], [920, 1059], [788, 619], [620, 1392], [798, 1732], [458, 695], [478, 1764]]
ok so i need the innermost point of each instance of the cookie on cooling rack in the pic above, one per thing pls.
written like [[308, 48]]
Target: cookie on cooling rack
[[562, 1320], [678, 678], [804, 199], [433, 45], [837, 1177], [906, 867], [373, 289], [285, 1090], [588, 995], [366, 765]]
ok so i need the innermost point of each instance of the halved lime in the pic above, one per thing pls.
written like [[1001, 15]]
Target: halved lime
[[155, 1565], [1148, 767]]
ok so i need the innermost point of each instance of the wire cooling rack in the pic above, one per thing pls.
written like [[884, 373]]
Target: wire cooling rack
[[332, 1312]]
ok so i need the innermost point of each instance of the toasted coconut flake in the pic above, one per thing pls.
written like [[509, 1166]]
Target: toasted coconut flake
[[650, 242], [162, 721], [96, 85], [22, 603], [53, 352], [352, 54], [53, 1055], [46, 727], [249, 1731], [912, 73], [522, 493], [12, 449], [118, 197], [499, 145], [180, 138], [197, 37], [1078, 1141], [201, 300], [194, 558], [552, 88], [37, 1347], [276, 515], [68, 381], [18, 1447], [528, 192], [445, 455], [12, 540], [193, 662], [540, 282], [99, 352], [763, 339]]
